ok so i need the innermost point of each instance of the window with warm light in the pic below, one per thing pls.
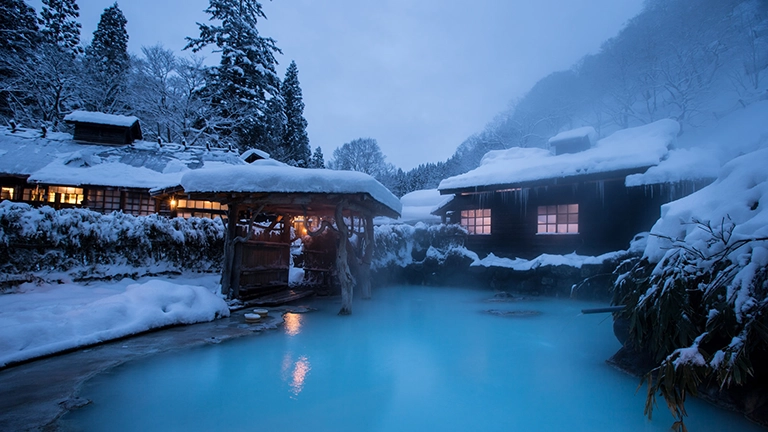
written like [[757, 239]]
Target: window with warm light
[[6, 193], [186, 208], [37, 194], [558, 219], [477, 222], [65, 194]]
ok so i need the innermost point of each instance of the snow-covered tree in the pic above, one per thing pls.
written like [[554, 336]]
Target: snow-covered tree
[[44, 86], [317, 160], [152, 95], [59, 25], [18, 27], [295, 139], [362, 154], [107, 63], [245, 80]]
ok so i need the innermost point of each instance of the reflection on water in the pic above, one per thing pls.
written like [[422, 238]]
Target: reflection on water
[[292, 323], [300, 369]]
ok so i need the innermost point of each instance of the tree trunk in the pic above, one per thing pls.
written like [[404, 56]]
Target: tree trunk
[[229, 249], [365, 268], [342, 267]]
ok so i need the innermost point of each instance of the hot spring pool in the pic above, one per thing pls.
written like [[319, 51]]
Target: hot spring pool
[[412, 359]]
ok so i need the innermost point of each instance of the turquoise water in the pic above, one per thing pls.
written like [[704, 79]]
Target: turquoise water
[[411, 359]]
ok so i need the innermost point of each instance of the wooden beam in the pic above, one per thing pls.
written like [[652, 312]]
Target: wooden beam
[[342, 267]]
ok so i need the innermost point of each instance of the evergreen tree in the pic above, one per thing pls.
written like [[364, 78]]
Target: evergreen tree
[[317, 160], [18, 27], [245, 80], [59, 26], [107, 62], [295, 139]]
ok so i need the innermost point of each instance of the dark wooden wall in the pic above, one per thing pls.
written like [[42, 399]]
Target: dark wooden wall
[[106, 134], [610, 215]]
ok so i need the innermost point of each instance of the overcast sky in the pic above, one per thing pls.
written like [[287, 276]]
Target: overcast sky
[[419, 76]]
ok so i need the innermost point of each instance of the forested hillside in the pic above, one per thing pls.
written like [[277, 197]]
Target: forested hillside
[[692, 61]]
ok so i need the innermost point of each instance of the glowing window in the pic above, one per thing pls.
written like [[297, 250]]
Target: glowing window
[[6, 193], [36, 194], [477, 222], [558, 219], [65, 194]]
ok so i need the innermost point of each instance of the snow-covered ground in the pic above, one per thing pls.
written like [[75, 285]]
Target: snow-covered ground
[[37, 320]]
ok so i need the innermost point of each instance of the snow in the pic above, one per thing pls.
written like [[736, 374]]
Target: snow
[[58, 159], [106, 174], [287, 179], [635, 148], [543, 260], [681, 164], [49, 318], [248, 153], [100, 118], [419, 205], [736, 196], [734, 203], [585, 131]]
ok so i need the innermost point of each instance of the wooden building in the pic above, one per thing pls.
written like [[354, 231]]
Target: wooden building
[[100, 128], [60, 171], [265, 200], [526, 202]]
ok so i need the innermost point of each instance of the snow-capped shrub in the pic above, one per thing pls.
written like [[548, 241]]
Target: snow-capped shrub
[[697, 303], [84, 242], [400, 245]]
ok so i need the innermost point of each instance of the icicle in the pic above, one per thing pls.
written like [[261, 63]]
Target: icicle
[[524, 200], [601, 191]]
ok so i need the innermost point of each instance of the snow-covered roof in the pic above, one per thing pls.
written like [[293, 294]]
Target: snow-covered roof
[[418, 206], [58, 159], [254, 152], [100, 118], [585, 131], [681, 164], [630, 149], [287, 179]]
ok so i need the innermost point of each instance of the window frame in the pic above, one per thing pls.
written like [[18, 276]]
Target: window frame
[[558, 219], [479, 218]]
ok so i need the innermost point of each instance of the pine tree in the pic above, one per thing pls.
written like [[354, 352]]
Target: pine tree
[[59, 26], [107, 62], [295, 139], [245, 80], [317, 160]]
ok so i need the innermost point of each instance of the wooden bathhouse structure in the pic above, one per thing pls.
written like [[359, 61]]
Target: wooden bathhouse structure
[[581, 195], [265, 199]]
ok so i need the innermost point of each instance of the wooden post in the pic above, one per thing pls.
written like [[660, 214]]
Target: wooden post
[[342, 267], [365, 268], [229, 248]]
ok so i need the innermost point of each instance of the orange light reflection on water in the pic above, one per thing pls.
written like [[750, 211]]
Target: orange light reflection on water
[[300, 370], [292, 323]]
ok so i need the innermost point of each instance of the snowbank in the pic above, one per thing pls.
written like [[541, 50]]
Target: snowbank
[[736, 198], [543, 260], [42, 320], [633, 148], [286, 179]]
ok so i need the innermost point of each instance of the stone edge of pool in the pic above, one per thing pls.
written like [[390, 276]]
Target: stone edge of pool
[[38, 393]]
